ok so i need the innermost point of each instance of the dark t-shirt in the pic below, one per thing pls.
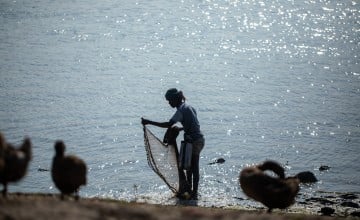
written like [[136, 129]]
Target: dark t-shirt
[[186, 115]]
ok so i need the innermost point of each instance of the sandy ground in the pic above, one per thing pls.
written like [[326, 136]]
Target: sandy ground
[[48, 206]]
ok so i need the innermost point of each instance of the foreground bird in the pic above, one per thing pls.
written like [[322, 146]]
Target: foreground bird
[[13, 162], [2, 153], [273, 192], [67, 172]]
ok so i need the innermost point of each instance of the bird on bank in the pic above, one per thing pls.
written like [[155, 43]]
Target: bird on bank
[[13, 161], [68, 172], [273, 192], [2, 152]]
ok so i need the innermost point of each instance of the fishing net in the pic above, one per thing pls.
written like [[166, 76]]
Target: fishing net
[[162, 159]]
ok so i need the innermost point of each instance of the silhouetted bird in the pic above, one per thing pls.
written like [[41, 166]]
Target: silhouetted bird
[[2, 152], [13, 162], [67, 172], [219, 161], [273, 192]]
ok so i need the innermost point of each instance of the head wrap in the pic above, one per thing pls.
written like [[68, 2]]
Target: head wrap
[[172, 94]]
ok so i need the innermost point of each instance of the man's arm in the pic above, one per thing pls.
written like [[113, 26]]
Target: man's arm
[[159, 124]]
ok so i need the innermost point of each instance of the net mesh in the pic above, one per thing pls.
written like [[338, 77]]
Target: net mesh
[[162, 159]]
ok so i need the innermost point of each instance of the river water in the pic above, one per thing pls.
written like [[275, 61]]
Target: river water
[[272, 79]]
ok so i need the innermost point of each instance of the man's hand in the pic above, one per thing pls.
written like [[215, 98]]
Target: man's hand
[[144, 121]]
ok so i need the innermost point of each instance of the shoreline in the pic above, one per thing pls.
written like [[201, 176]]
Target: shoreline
[[49, 206]]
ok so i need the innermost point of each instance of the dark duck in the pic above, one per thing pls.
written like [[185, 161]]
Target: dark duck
[[13, 162], [271, 191], [68, 171]]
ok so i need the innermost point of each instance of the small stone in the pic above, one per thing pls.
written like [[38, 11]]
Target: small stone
[[350, 204], [306, 177], [355, 214], [349, 196], [324, 167], [327, 211]]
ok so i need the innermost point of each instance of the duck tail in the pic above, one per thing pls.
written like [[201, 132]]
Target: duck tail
[[273, 166], [26, 148], [2, 145]]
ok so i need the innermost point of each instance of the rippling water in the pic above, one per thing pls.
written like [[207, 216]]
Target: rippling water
[[270, 80]]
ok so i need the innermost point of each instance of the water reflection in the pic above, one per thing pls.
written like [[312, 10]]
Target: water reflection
[[272, 80]]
